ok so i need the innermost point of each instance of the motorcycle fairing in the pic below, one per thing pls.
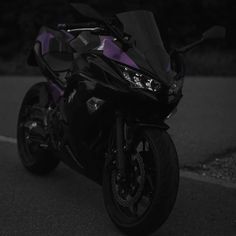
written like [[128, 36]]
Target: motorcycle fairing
[[141, 25], [56, 91], [112, 51], [46, 38], [148, 52], [55, 49]]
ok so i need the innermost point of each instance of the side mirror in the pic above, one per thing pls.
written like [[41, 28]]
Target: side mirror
[[216, 32]]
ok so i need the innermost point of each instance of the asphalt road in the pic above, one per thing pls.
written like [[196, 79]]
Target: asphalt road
[[205, 123], [66, 203]]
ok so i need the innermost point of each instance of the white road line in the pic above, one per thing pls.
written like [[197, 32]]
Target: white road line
[[5, 139], [183, 174]]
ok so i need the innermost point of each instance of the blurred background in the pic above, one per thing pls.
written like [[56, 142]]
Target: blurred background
[[203, 130], [204, 126], [180, 22]]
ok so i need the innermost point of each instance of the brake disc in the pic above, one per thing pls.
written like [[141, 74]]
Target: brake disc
[[135, 191]]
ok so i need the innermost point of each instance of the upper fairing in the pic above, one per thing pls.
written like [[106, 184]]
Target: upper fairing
[[113, 51], [148, 52]]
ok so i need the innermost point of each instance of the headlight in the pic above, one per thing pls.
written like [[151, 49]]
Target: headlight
[[140, 81]]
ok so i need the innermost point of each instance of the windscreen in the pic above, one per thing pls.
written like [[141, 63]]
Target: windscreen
[[149, 52]]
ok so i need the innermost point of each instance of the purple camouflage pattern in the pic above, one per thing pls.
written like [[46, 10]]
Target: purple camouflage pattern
[[112, 51], [44, 39]]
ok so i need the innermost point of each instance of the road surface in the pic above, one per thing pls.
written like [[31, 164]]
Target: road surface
[[68, 204]]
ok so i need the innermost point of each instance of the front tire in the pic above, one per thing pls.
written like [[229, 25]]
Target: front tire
[[164, 171], [34, 156]]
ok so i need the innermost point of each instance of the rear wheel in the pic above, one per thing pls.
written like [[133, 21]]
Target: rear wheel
[[141, 204], [32, 137]]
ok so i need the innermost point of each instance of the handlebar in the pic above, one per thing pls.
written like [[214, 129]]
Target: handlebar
[[96, 27], [76, 26]]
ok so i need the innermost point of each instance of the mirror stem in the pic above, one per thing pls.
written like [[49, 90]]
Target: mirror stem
[[190, 46]]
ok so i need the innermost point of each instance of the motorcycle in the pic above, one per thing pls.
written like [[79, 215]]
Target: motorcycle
[[110, 87]]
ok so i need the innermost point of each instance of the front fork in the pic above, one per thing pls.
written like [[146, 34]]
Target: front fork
[[120, 144]]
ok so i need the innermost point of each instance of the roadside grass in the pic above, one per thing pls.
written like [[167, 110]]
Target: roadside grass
[[220, 167]]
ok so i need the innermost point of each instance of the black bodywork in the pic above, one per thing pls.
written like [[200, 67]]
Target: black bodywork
[[96, 98]]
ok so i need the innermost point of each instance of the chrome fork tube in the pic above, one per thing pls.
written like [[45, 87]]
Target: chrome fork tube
[[120, 143]]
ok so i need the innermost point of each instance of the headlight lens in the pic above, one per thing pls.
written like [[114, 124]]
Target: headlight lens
[[140, 81]]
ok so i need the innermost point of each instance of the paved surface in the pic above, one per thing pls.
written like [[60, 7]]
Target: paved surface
[[66, 203], [205, 122], [12, 91]]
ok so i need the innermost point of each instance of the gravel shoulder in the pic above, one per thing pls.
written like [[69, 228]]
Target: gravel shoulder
[[219, 167]]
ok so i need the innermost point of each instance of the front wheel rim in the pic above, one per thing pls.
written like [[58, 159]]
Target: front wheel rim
[[136, 205]]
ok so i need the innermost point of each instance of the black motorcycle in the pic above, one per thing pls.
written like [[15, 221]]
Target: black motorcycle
[[110, 87]]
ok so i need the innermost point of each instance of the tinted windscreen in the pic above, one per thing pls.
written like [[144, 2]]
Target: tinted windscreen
[[149, 52]]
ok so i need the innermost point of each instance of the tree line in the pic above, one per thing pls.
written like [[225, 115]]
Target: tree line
[[178, 20]]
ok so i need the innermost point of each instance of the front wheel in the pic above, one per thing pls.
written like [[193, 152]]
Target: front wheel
[[141, 204]]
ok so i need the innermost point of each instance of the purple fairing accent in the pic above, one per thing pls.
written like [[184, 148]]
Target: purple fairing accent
[[112, 51], [44, 39], [56, 92]]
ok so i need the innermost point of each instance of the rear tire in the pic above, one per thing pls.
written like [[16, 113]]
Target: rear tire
[[37, 160], [166, 180]]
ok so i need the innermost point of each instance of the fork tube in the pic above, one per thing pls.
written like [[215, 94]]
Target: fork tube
[[120, 143]]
